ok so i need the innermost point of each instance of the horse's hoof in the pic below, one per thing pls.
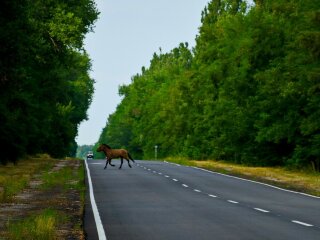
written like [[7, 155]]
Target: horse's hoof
[[130, 166]]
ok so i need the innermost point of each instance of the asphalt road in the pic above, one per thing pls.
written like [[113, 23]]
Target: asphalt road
[[159, 200]]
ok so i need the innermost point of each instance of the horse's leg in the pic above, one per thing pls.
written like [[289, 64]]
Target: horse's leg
[[110, 163], [106, 163], [128, 162], [121, 163], [130, 157]]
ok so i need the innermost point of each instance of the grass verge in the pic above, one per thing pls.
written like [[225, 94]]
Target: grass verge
[[41, 226], [42, 198], [14, 178], [301, 180]]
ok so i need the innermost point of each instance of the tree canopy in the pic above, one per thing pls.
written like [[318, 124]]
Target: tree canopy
[[45, 87], [248, 92]]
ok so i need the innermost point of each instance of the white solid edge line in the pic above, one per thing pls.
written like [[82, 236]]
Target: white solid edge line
[[100, 229], [302, 223], [265, 184], [243, 179]]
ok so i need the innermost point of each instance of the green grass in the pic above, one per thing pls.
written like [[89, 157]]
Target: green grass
[[61, 178], [14, 178], [43, 224], [37, 227], [81, 186], [66, 178]]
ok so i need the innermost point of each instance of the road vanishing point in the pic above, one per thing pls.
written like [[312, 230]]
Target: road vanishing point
[[160, 200]]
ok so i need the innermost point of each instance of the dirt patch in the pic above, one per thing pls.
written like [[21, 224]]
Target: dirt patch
[[34, 199]]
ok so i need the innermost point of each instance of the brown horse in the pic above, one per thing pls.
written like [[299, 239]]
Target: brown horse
[[114, 153]]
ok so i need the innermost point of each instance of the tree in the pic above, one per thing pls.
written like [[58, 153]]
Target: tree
[[45, 88], [248, 92]]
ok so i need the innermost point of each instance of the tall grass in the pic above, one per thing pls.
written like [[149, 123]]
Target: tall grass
[[38, 227]]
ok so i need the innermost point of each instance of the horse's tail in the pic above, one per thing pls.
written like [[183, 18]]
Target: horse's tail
[[130, 157]]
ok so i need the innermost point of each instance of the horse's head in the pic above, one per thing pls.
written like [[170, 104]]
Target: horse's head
[[103, 147], [100, 148]]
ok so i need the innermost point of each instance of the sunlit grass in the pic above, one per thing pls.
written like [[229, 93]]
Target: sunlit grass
[[37, 227], [296, 179]]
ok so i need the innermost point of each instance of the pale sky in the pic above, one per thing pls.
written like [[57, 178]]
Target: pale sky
[[125, 37]]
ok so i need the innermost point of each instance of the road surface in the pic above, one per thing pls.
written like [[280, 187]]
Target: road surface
[[159, 200]]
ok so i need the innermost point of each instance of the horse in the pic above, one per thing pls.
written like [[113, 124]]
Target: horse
[[114, 153]]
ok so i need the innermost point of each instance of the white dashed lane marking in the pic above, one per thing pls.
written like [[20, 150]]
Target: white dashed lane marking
[[261, 210], [213, 196], [230, 201], [302, 223]]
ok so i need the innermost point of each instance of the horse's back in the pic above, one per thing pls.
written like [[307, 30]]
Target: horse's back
[[119, 153]]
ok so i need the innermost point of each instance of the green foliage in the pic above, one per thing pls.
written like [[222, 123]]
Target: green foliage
[[247, 93], [45, 88]]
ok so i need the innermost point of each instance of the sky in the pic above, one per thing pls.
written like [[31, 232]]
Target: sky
[[125, 37]]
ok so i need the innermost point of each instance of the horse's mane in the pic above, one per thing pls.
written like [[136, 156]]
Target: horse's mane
[[107, 146]]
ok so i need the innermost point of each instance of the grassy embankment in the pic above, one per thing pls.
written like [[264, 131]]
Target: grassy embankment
[[50, 194], [302, 180]]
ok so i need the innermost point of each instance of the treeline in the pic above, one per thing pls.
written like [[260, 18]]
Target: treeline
[[249, 91], [45, 88], [83, 150]]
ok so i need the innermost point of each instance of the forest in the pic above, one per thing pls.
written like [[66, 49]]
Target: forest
[[248, 92], [45, 87]]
